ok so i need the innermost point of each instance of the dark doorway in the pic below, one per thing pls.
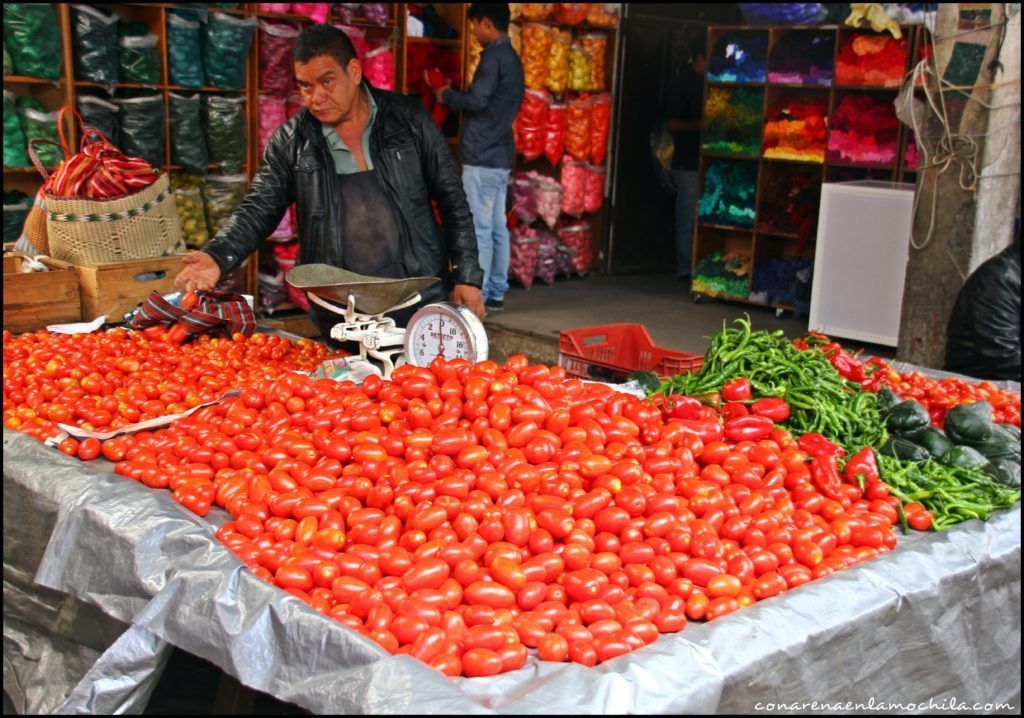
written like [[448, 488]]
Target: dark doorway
[[642, 235]]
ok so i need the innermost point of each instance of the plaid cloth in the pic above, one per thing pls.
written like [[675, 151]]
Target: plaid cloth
[[215, 312]]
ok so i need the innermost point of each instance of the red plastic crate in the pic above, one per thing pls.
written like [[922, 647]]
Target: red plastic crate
[[611, 352]]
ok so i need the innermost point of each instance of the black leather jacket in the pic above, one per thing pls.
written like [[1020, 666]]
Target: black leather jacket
[[414, 165]]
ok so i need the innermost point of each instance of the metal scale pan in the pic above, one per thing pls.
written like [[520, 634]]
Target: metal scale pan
[[373, 295]]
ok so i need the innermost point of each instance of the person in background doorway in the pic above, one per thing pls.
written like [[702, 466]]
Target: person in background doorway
[[983, 337], [686, 95], [487, 148]]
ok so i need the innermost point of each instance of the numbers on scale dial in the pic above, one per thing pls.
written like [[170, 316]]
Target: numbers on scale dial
[[437, 337]]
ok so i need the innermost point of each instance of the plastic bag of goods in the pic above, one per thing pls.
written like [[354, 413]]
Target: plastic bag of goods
[[8, 63], [277, 42], [272, 115], [221, 195], [138, 59], [577, 130], [574, 187], [549, 200], [571, 13], [184, 50], [557, 78], [535, 10], [600, 122], [379, 67], [281, 8], [16, 207], [524, 198], [530, 123], [596, 43], [224, 123], [578, 236], [15, 143], [537, 41], [286, 256], [515, 35], [142, 128], [547, 258], [293, 104], [226, 43], [186, 127], [37, 123], [581, 69], [189, 201], [554, 132], [95, 43], [376, 12], [604, 14], [273, 291], [343, 12], [99, 114], [315, 11], [523, 250], [565, 260], [593, 192], [515, 10], [32, 37], [284, 232]]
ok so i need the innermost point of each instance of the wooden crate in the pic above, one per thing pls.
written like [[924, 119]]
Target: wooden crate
[[37, 299], [114, 288]]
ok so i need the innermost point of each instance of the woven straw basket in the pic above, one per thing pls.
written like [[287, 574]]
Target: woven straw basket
[[141, 226]]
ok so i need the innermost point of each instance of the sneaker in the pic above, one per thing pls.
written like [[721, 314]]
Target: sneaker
[[494, 305]]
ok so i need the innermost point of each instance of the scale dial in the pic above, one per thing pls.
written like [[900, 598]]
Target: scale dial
[[446, 330]]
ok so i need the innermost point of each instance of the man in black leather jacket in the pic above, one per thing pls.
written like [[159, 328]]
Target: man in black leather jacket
[[984, 330], [362, 166]]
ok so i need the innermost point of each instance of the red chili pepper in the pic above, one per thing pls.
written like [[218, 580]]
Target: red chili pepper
[[748, 428], [817, 445], [737, 390], [708, 431], [826, 476], [685, 407], [775, 409], [862, 468], [734, 410]]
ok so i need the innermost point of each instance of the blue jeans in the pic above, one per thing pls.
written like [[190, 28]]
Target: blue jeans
[[686, 211], [486, 188]]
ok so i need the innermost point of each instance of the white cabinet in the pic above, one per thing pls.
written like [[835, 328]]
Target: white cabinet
[[860, 260]]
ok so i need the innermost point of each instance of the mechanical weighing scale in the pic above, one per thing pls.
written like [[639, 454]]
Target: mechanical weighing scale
[[442, 329]]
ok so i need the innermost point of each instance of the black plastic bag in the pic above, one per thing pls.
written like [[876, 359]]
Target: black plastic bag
[[32, 37], [225, 127], [142, 128], [95, 42], [139, 60], [16, 207], [15, 144], [184, 51], [101, 115], [226, 42], [186, 128]]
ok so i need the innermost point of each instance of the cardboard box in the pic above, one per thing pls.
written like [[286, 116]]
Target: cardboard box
[[34, 300], [114, 288]]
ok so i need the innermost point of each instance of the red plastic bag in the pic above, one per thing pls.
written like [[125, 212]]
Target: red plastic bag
[[523, 251], [593, 189], [379, 67], [577, 236], [554, 133], [577, 133], [600, 121], [531, 122], [277, 41]]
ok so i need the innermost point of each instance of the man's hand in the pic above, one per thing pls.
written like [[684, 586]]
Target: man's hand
[[439, 92], [201, 273], [470, 297]]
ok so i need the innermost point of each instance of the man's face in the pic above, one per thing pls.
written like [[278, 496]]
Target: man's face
[[328, 89], [483, 30], [699, 65]]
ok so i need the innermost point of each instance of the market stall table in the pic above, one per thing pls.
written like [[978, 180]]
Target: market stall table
[[936, 619]]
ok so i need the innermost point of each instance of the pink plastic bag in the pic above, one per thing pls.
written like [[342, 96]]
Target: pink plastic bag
[[278, 7], [574, 187], [524, 198], [286, 256], [376, 12], [284, 232], [524, 247], [547, 258], [277, 41], [379, 67], [315, 11], [577, 236], [548, 194], [272, 115], [593, 192]]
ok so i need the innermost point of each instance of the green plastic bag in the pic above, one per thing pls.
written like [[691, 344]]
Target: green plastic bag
[[98, 114], [8, 63], [15, 144], [226, 42], [139, 60], [224, 124], [184, 51], [186, 129], [32, 37], [142, 128], [37, 123], [95, 43], [221, 195], [16, 207]]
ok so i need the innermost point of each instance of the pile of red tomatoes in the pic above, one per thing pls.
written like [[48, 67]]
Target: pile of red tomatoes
[[465, 514], [107, 380]]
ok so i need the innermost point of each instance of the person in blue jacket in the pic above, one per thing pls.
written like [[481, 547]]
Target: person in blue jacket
[[487, 148]]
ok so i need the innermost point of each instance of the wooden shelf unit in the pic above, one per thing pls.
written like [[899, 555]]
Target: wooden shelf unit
[[762, 244]]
